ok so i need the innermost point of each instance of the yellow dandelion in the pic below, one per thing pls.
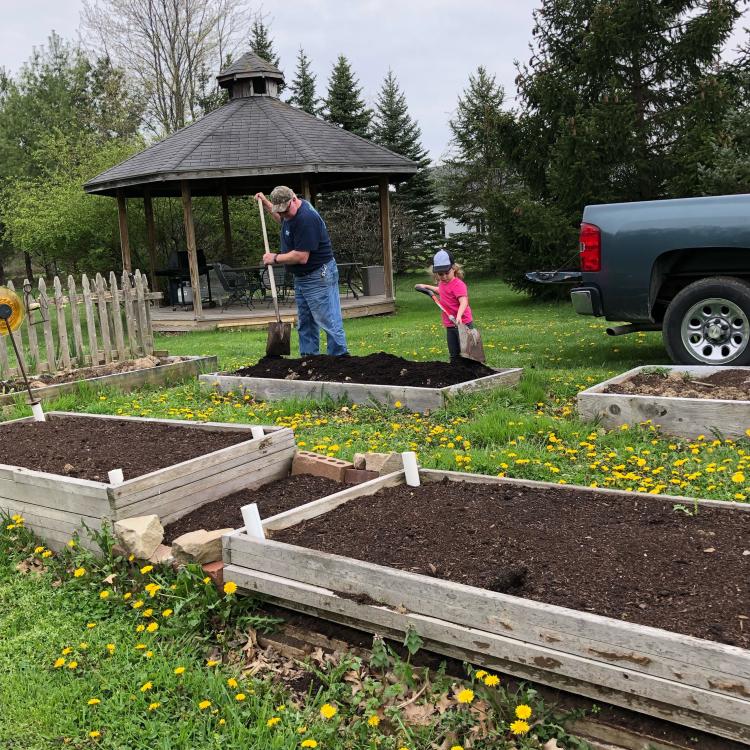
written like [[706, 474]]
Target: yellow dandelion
[[492, 680], [738, 477], [94, 702], [373, 721], [137, 605], [222, 722], [126, 596], [153, 706], [152, 627], [38, 550], [83, 645], [140, 628], [203, 705], [94, 734], [240, 697], [111, 648], [481, 674], [72, 544], [465, 696], [328, 711], [301, 730], [47, 553], [232, 682], [90, 625], [79, 572], [519, 727], [148, 654], [308, 743], [457, 747], [273, 721], [523, 711], [179, 670], [66, 650], [59, 663], [146, 687], [166, 613], [211, 663], [146, 569], [230, 587], [72, 665], [104, 594], [206, 580]]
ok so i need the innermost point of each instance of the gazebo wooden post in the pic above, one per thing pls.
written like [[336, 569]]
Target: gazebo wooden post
[[385, 231], [228, 249], [122, 215], [306, 191], [148, 209], [187, 209]]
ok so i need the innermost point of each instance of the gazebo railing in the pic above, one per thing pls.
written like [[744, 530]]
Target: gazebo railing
[[90, 323]]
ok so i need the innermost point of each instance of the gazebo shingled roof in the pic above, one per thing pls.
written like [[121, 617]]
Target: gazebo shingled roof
[[251, 143]]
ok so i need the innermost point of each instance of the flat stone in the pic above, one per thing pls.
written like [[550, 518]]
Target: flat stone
[[383, 463], [360, 461], [215, 571], [161, 555], [140, 536], [199, 546]]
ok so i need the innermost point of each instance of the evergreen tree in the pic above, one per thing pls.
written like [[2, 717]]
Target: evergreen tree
[[344, 104], [261, 43], [303, 86], [619, 102], [394, 128]]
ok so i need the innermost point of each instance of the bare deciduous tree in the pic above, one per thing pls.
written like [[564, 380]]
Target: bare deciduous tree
[[164, 45]]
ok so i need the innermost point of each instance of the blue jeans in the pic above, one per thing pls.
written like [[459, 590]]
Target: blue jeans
[[318, 306]]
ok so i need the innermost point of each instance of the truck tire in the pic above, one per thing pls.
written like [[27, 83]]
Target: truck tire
[[708, 323]]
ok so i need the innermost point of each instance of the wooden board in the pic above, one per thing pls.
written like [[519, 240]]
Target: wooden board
[[670, 667], [410, 397], [683, 417], [725, 716], [172, 372]]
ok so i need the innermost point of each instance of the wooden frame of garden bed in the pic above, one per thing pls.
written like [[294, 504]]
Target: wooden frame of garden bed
[[416, 398], [172, 372], [687, 680], [684, 417], [57, 506]]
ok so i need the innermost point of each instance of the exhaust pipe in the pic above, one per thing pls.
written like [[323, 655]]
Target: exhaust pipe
[[632, 328]]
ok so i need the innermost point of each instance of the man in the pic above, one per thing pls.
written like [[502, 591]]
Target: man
[[307, 253]]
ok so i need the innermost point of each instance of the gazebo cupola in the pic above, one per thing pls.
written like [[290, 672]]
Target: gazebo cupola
[[251, 76]]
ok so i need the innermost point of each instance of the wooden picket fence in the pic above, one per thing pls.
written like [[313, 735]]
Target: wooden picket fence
[[98, 324]]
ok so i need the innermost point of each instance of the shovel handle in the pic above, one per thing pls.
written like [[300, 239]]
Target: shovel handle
[[271, 278]]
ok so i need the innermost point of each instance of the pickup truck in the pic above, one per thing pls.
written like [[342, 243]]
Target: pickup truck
[[680, 266]]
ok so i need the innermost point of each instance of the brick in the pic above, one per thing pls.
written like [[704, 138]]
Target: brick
[[215, 571], [307, 462], [357, 476]]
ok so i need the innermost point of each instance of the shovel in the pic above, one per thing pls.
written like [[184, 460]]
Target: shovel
[[469, 339], [279, 334]]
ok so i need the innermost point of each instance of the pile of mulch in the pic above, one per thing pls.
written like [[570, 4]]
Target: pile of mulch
[[272, 498], [633, 559], [372, 369], [89, 447], [730, 385]]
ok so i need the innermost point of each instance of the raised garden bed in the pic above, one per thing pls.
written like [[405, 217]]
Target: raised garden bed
[[55, 473], [123, 375], [684, 400], [611, 595], [381, 378]]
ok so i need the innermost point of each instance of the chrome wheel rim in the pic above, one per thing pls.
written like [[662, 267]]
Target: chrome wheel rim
[[715, 331]]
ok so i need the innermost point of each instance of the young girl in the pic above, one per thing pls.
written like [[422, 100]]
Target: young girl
[[454, 297]]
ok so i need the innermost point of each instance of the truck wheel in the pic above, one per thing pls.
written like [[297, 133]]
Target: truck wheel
[[708, 323]]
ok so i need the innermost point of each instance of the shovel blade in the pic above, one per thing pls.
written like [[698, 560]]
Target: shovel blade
[[279, 339], [471, 343]]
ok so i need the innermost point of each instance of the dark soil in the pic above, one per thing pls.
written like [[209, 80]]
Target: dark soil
[[373, 369], [732, 385], [272, 498], [633, 559], [91, 447]]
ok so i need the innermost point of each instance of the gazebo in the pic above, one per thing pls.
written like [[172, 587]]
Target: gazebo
[[252, 143]]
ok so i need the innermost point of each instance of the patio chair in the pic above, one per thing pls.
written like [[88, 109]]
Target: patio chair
[[238, 286], [284, 283]]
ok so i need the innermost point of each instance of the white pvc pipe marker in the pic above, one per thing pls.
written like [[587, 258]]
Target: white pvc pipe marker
[[257, 432], [38, 412], [251, 519], [411, 468]]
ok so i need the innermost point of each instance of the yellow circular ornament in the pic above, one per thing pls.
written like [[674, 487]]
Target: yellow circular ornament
[[11, 308]]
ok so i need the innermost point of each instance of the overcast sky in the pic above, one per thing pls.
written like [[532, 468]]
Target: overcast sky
[[431, 45]]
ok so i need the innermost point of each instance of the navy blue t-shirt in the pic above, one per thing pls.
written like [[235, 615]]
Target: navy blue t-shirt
[[306, 231]]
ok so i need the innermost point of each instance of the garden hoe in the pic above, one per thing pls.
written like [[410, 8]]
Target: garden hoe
[[279, 334], [469, 338]]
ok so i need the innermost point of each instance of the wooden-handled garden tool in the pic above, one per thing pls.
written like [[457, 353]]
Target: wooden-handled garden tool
[[279, 334], [469, 339]]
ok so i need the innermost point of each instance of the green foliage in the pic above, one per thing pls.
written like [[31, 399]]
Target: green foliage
[[344, 104], [418, 232], [261, 43], [303, 86]]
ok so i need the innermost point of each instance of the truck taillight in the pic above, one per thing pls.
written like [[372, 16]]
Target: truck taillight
[[590, 240]]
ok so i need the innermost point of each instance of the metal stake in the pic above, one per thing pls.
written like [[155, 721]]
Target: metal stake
[[5, 313]]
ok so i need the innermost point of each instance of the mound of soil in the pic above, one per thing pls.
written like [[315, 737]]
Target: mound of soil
[[272, 498], [88, 447], [633, 559], [732, 385], [372, 369]]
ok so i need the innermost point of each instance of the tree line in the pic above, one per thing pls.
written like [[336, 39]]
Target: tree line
[[620, 100]]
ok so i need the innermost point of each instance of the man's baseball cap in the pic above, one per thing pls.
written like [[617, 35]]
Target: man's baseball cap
[[443, 261], [280, 198]]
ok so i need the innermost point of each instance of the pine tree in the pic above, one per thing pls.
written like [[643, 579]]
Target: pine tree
[[344, 104], [261, 43], [394, 128], [303, 86]]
